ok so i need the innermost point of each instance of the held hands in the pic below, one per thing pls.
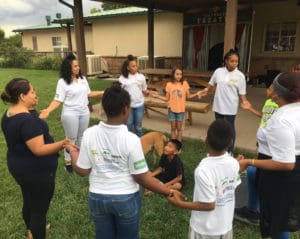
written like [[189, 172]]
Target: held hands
[[176, 197], [153, 94], [68, 146], [44, 114], [246, 105], [244, 163]]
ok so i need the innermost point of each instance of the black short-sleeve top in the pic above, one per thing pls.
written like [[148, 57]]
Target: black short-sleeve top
[[172, 168], [17, 130]]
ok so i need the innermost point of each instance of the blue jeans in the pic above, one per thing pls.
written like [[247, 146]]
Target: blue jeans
[[116, 216], [175, 116], [230, 119], [253, 198], [135, 119], [281, 235]]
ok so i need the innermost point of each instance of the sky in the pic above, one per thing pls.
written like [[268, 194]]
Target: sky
[[23, 13]]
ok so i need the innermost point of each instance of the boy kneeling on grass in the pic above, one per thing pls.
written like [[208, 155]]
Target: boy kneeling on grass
[[170, 171], [216, 179]]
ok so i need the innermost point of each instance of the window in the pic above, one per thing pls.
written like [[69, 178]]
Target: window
[[34, 43], [280, 37], [56, 41]]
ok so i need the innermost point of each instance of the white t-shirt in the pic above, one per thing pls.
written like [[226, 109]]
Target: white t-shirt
[[74, 96], [114, 154], [282, 133], [215, 181], [230, 84], [134, 85]]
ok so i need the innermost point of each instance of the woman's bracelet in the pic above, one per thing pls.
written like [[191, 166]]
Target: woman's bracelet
[[252, 162], [73, 150]]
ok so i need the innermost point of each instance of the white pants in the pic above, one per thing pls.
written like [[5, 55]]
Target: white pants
[[74, 126], [195, 235]]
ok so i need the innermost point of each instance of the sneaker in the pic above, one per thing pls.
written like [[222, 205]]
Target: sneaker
[[245, 215], [69, 168]]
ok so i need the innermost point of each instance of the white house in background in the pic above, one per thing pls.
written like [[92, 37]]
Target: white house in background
[[268, 40]]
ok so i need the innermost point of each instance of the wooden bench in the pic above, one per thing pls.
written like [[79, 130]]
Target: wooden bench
[[191, 106]]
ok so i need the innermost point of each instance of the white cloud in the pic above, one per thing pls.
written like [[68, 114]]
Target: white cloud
[[20, 13]]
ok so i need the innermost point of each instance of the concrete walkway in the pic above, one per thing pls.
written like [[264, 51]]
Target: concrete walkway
[[246, 122]]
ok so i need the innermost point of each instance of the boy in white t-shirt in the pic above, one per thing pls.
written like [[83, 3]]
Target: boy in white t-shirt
[[113, 159], [216, 178]]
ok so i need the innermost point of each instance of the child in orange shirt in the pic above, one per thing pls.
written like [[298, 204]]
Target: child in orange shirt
[[178, 90]]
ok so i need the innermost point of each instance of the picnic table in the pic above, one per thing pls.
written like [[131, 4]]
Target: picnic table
[[159, 76]]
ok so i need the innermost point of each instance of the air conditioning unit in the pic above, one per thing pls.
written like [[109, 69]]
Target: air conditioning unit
[[159, 62], [96, 65]]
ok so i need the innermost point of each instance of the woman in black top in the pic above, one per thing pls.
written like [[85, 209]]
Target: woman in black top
[[31, 155]]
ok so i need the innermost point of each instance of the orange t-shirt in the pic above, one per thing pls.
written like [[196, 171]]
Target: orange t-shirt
[[178, 93]]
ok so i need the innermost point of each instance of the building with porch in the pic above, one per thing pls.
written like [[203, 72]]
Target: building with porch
[[266, 33]]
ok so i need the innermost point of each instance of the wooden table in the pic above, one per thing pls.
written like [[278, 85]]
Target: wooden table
[[193, 77], [191, 106]]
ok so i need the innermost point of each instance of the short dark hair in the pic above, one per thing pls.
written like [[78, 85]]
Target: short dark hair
[[114, 100], [219, 135], [124, 69], [177, 143], [230, 53], [14, 89]]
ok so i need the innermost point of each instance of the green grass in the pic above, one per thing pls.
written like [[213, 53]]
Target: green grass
[[68, 212]]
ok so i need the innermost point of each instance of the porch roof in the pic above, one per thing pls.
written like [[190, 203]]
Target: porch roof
[[183, 5]]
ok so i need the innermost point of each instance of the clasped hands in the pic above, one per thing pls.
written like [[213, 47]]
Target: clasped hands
[[176, 197], [68, 145]]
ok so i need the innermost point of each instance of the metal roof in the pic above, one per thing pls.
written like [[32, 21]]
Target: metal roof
[[184, 5], [38, 27]]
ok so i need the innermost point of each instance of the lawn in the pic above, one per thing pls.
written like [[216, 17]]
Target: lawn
[[68, 213]]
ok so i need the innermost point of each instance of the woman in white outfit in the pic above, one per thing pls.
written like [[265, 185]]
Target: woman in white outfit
[[72, 91]]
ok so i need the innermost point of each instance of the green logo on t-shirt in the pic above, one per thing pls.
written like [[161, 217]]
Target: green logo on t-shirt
[[140, 164]]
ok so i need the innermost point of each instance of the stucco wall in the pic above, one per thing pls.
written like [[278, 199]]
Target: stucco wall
[[121, 36], [44, 39]]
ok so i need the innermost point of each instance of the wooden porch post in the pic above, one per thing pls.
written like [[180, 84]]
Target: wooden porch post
[[79, 35], [230, 25], [150, 37], [69, 37]]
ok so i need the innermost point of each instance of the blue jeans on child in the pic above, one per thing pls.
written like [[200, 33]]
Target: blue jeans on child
[[230, 119], [134, 122], [116, 216], [253, 199]]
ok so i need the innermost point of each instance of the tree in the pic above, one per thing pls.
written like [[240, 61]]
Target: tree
[[2, 35], [110, 6], [94, 10]]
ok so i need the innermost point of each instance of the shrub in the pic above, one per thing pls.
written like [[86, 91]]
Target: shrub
[[47, 63]]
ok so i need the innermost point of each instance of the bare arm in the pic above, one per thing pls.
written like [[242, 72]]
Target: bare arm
[[268, 164], [256, 112], [156, 171], [156, 95], [147, 181], [38, 147], [96, 94], [190, 96], [174, 180], [74, 153], [46, 112], [177, 200]]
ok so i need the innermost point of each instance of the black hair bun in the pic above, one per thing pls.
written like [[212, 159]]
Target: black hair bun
[[130, 58]]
